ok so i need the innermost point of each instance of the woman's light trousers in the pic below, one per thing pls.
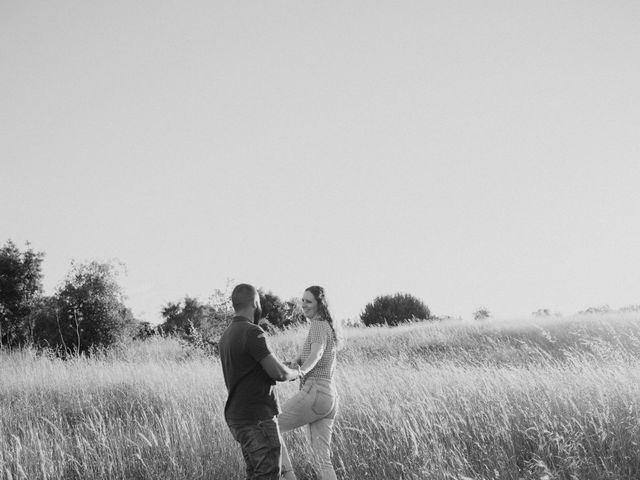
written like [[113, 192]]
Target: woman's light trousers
[[314, 406]]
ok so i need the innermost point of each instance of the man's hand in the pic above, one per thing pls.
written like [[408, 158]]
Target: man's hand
[[277, 370]]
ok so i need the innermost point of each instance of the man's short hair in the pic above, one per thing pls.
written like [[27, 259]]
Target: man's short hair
[[243, 296]]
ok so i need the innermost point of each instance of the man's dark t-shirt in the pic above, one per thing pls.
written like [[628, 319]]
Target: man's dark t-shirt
[[251, 390]]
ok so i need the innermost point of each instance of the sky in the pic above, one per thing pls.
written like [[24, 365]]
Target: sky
[[468, 153]]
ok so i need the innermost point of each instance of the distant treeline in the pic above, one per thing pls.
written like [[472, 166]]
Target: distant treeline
[[88, 311]]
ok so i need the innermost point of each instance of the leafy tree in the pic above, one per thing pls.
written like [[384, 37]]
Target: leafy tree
[[182, 316], [273, 308], [193, 320], [90, 308], [293, 314], [279, 313], [20, 287], [481, 313], [45, 318], [542, 312], [220, 301], [394, 309]]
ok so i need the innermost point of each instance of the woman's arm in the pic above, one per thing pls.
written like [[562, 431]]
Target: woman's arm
[[276, 370], [317, 349]]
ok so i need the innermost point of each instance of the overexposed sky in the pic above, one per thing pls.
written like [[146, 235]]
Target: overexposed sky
[[470, 153]]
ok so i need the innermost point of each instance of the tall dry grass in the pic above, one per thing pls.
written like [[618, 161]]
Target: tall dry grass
[[530, 399]]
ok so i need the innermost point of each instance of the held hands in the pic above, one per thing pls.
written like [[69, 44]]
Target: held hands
[[295, 367]]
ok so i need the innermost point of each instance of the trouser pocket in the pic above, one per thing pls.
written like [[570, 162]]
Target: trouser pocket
[[323, 401], [261, 448]]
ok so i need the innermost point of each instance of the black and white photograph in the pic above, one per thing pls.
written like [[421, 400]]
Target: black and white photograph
[[319, 240]]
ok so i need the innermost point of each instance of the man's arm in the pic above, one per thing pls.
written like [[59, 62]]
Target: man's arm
[[276, 370]]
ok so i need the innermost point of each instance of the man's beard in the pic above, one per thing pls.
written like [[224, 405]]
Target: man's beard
[[257, 315]]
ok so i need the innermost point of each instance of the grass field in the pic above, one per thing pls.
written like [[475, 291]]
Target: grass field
[[524, 399]]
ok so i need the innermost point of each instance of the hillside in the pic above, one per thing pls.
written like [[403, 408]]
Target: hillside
[[530, 398]]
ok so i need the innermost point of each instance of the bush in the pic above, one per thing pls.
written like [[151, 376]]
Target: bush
[[394, 309], [602, 309], [481, 313]]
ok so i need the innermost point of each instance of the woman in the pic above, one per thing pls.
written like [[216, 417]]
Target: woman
[[316, 404]]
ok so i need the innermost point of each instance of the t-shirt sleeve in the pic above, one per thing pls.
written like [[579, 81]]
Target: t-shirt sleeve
[[256, 344], [318, 333]]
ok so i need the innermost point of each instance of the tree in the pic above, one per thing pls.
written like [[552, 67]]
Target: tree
[[293, 314], [45, 324], [279, 313], [144, 330], [481, 313], [220, 301], [191, 319], [183, 316], [90, 309], [20, 287], [394, 309], [273, 308]]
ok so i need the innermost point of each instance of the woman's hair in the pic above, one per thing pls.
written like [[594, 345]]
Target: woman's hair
[[323, 308]]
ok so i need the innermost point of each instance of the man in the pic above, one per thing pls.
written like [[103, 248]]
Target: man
[[250, 373]]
